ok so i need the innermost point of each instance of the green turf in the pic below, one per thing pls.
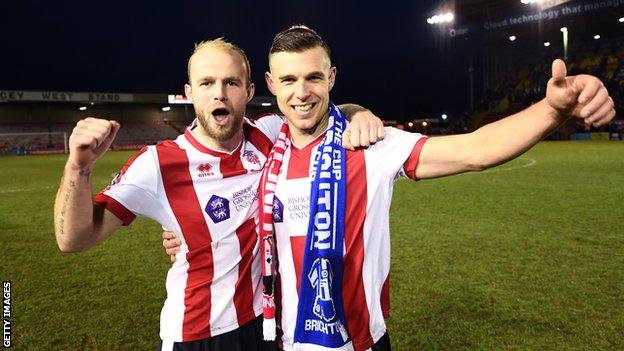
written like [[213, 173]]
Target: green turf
[[529, 256]]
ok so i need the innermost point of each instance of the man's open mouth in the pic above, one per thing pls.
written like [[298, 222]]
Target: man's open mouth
[[221, 114]]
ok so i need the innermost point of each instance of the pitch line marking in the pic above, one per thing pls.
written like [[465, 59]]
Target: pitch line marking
[[19, 190], [532, 162]]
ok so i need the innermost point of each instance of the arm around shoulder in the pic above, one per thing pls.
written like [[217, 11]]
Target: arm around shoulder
[[364, 127]]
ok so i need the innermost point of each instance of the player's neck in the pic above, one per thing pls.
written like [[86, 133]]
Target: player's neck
[[302, 137]]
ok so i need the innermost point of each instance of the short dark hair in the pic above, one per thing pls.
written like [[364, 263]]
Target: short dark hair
[[297, 38]]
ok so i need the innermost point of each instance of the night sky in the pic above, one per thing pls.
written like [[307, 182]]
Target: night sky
[[388, 58]]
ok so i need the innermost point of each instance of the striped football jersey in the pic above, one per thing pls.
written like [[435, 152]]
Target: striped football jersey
[[209, 199], [371, 174]]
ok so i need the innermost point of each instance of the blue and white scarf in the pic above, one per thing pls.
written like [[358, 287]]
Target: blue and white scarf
[[320, 313]]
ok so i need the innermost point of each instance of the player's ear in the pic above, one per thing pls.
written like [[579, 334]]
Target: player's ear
[[188, 91], [251, 89], [333, 71], [269, 81]]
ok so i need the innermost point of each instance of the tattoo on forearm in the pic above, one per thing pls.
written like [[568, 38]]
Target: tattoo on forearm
[[84, 173], [70, 189]]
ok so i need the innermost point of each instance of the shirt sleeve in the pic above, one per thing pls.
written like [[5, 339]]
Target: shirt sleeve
[[397, 155], [270, 125], [132, 191], [410, 166]]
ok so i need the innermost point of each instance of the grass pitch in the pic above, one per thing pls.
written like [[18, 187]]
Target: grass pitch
[[527, 256]]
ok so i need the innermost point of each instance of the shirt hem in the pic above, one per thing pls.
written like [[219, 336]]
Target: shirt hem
[[212, 333]]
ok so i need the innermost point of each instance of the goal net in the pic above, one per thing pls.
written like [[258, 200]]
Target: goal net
[[33, 143]]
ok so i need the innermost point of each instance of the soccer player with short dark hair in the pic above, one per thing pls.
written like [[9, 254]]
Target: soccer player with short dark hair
[[203, 185]]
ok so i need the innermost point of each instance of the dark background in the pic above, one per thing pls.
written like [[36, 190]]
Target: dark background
[[388, 57]]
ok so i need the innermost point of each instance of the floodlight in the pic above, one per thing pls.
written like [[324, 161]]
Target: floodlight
[[424, 124], [441, 18], [444, 116], [621, 20], [410, 124], [547, 44], [266, 104], [166, 109], [597, 36], [512, 38], [82, 108]]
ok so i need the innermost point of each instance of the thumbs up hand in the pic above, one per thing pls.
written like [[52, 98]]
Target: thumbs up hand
[[581, 96]]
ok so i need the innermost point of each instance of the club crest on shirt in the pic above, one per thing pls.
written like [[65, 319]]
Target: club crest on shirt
[[278, 210], [218, 208], [204, 169], [252, 157]]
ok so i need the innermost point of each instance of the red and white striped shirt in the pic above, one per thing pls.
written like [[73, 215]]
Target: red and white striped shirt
[[209, 199], [370, 178]]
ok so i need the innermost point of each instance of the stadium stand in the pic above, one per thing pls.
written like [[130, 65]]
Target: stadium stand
[[43, 126], [525, 84], [513, 43], [23, 138]]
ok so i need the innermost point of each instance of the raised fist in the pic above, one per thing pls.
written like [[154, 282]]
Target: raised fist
[[89, 140]]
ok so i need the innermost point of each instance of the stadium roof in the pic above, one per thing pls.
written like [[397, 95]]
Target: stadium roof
[[483, 10], [536, 22]]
